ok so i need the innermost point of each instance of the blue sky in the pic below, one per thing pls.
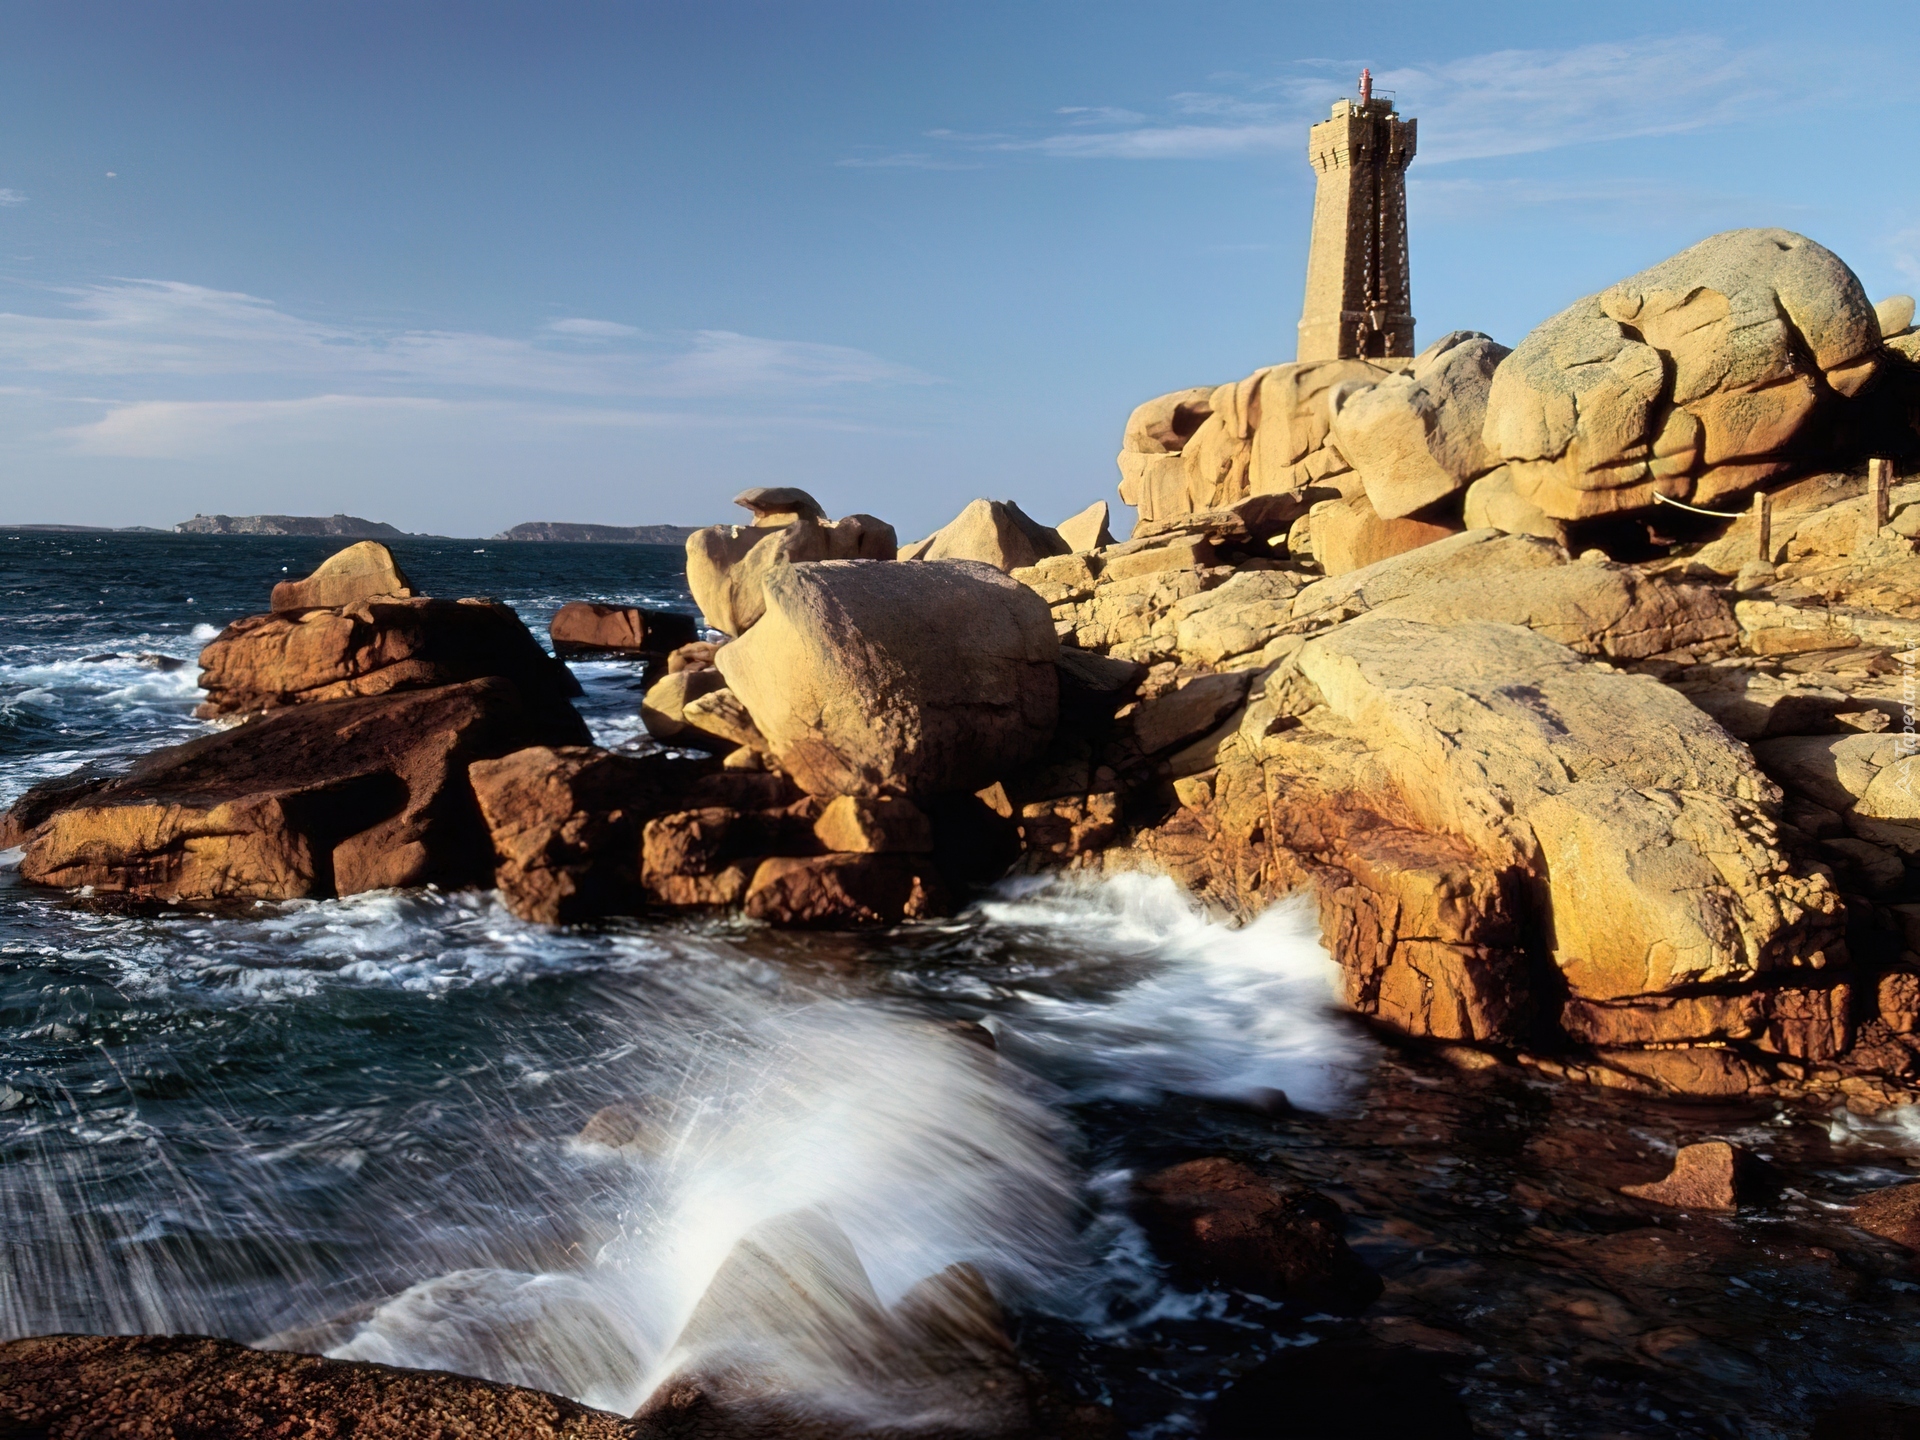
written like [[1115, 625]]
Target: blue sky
[[458, 266]]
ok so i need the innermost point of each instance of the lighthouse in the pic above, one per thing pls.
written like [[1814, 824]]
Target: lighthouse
[[1359, 300]]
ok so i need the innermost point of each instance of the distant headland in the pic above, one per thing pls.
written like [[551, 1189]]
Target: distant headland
[[345, 527], [557, 530], [354, 527]]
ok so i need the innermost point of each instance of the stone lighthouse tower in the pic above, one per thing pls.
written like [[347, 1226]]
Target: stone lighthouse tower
[[1359, 301]]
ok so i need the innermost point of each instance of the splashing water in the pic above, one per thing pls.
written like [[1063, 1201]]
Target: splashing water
[[1227, 1013], [905, 1141]]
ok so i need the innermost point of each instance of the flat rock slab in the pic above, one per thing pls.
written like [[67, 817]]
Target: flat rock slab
[[1608, 610], [1650, 826], [332, 798], [1483, 555]]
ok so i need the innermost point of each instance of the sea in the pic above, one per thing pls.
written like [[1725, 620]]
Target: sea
[[355, 1125]]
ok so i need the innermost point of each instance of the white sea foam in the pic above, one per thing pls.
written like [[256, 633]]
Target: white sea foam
[[1232, 1012]]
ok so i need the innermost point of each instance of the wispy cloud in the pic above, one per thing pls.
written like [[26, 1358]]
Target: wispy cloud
[[1460, 197], [1504, 102], [593, 329], [171, 369], [12, 197], [170, 330]]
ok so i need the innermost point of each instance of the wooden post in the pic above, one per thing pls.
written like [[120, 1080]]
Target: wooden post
[[1879, 488], [1763, 524]]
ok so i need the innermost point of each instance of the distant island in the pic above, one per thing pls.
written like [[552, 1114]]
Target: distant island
[[345, 527], [556, 530]]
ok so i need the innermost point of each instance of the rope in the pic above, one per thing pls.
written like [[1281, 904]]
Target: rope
[[1696, 510]]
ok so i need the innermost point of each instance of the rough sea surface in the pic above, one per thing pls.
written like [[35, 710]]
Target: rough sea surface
[[353, 1123]]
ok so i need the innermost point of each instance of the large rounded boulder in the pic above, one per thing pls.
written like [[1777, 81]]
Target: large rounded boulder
[[1693, 380], [870, 678]]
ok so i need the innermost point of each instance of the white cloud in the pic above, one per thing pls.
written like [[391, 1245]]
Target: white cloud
[[593, 329], [1459, 197], [12, 197], [1505, 102], [167, 331]]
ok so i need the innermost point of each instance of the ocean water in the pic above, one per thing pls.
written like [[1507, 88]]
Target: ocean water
[[355, 1125]]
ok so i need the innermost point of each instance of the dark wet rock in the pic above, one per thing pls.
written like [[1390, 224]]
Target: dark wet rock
[[190, 1387], [1892, 1214], [583, 628], [1215, 1220], [1869, 1420], [1342, 1391], [332, 798]]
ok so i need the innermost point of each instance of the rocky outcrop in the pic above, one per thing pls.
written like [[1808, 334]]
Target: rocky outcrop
[[565, 532], [375, 647], [565, 824], [992, 532], [80, 1387], [330, 798], [1414, 437], [1152, 477], [366, 571], [728, 564], [1697, 379], [1269, 434], [583, 628], [580, 833], [875, 679]]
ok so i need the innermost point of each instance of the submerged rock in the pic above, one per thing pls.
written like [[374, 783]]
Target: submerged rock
[[1215, 1220]]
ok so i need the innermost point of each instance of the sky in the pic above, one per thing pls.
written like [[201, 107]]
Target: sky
[[458, 266]]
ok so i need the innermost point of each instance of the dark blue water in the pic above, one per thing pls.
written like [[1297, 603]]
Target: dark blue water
[[359, 1115]]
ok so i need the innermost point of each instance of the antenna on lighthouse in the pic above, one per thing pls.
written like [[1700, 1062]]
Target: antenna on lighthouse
[[1366, 87]]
